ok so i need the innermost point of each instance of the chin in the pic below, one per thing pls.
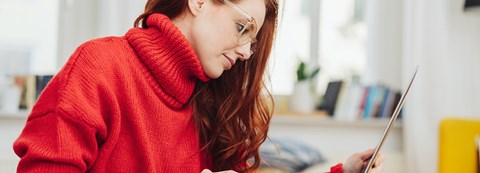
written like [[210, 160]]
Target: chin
[[214, 74]]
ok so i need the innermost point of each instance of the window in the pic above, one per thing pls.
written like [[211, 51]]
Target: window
[[29, 35], [339, 50]]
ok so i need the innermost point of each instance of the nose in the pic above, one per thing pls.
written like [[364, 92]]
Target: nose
[[243, 51]]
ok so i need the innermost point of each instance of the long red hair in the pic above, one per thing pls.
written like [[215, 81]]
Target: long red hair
[[232, 112]]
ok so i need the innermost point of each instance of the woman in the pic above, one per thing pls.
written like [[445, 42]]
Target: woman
[[182, 93]]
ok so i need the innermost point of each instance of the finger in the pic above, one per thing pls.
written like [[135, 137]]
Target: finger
[[365, 155], [377, 169], [380, 160]]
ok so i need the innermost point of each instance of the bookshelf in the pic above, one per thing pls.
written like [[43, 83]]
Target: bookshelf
[[324, 120]]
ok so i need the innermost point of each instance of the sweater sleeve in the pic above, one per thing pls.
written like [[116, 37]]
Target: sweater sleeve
[[55, 143], [337, 168]]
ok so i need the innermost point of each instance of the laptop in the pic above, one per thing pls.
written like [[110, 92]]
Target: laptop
[[390, 124]]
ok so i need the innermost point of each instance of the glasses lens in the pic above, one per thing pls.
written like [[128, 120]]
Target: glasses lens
[[247, 34], [246, 28]]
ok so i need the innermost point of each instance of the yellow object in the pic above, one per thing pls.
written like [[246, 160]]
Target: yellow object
[[457, 151]]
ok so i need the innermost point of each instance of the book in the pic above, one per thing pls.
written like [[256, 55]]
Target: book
[[349, 103], [31, 87], [363, 100], [330, 98], [387, 101], [41, 83], [27, 87], [391, 99], [370, 99], [378, 101]]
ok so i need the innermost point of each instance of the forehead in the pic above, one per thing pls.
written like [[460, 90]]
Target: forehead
[[254, 8]]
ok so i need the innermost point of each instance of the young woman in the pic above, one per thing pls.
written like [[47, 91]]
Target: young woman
[[182, 92]]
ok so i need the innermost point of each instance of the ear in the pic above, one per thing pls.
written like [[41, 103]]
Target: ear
[[196, 6]]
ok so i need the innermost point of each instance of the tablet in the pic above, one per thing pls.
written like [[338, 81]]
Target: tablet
[[390, 124]]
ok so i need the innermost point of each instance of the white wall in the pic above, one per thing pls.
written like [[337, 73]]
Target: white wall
[[83, 20], [385, 38], [445, 42], [117, 16], [77, 24]]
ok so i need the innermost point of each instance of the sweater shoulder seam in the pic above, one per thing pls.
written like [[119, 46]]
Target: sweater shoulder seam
[[65, 84]]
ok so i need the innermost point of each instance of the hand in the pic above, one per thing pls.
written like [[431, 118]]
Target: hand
[[356, 162], [208, 171]]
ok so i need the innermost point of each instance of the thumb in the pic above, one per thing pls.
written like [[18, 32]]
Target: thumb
[[206, 171]]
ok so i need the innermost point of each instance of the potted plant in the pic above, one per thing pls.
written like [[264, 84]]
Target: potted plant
[[302, 99], [303, 74]]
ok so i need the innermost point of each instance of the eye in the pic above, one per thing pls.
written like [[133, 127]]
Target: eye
[[240, 27]]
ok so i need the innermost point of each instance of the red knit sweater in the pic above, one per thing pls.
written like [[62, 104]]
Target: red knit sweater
[[119, 105]]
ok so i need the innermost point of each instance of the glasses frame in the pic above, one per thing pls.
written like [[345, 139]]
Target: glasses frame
[[250, 22]]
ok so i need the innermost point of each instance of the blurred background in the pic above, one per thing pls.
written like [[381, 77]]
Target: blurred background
[[358, 56]]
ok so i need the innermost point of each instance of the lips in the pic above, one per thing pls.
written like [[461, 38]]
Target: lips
[[232, 62]]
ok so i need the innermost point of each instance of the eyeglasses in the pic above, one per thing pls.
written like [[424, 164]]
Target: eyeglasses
[[246, 28]]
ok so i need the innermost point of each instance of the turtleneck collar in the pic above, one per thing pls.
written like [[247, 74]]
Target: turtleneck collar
[[169, 57]]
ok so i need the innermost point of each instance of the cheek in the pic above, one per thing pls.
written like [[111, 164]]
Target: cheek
[[224, 31], [203, 39], [215, 41], [212, 38]]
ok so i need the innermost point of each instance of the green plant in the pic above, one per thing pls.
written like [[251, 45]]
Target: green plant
[[304, 74]]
